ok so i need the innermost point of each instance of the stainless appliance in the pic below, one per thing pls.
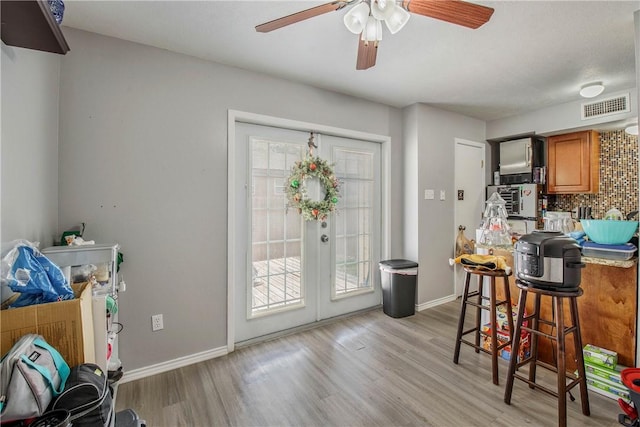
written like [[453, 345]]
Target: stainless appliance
[[524, 202], [548, 259], [521, 161]]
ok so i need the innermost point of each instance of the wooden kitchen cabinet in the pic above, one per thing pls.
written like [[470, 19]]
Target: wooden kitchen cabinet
[[573, 163]]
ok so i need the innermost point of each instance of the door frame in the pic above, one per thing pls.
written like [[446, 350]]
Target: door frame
[[233, 258], [483, 147]]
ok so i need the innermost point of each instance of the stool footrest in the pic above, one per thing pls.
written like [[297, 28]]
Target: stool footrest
[[551, 323], [547, 366], [568, 375], [569, 330], [537, 332], [547, 322], [477, 347], [468, 331], [536, 385], [484, 306]]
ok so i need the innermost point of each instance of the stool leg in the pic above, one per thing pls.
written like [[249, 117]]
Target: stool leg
[[577, 339], [463, 312], [535, 325], [561, 364], [494, 332], [479, 311], [507, 293], [515, 347]]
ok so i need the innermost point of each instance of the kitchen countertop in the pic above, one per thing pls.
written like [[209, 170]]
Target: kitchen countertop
[[610, 262]]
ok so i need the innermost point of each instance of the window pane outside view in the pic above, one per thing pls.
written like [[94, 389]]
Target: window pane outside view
[[353, 222], [276, 236]]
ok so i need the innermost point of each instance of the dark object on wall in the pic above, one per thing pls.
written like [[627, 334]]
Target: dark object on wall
[[399, 287], [30, 24]]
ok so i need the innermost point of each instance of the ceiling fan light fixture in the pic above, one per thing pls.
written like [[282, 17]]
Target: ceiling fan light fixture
[[373, 30], [356, 19], [382, 9], [398, 19], [591, 90]]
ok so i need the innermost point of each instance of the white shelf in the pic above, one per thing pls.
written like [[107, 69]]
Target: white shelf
[[74, 256]]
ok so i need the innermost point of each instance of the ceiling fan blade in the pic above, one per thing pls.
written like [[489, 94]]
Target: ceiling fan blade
[[366, 54], [301, 16], [455, 11]]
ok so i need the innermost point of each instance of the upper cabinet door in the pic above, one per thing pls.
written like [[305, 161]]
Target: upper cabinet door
[[573, 161]]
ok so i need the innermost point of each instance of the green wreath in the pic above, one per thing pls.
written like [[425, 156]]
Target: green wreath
[[297, 193]]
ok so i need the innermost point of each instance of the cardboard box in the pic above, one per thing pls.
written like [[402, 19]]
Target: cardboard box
[[65, 325], [612, 375], [610, 390], [503, 337], [600, 356], [502, 319]]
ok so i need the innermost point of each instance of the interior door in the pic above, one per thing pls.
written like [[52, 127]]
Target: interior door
[[470, 194], [296, 271]]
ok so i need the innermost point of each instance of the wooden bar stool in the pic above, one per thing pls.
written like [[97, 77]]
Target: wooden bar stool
[[559, 338], [480, 304]]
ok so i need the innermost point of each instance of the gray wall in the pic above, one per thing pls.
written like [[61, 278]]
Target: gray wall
[[432, 147], [29, 174], [411, 185], [143, 161]]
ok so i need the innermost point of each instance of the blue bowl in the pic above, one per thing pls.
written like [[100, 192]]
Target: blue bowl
[[609, 232]]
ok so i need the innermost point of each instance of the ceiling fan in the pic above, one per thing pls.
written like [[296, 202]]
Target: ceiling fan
[[365, 17]]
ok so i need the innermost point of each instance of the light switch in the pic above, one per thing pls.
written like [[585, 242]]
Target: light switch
[[429, 194], [442, 195]]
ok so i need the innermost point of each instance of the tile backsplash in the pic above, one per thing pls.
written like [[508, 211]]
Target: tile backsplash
[[618, 178]]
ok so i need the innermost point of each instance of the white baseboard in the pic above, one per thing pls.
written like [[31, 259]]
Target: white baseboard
[[436, 302], [169, 365]]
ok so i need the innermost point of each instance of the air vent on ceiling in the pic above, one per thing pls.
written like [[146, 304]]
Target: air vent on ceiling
[[606, 107]]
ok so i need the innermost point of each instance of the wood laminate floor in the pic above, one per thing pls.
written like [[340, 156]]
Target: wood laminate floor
[[365, 370]]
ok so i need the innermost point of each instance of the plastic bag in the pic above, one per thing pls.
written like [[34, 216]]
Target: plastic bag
[[26, 271], [463, 245]]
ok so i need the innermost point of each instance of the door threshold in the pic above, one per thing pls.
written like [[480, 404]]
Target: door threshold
[[301, 328]]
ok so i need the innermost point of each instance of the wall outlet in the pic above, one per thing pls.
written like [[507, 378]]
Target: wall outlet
[[429, 194], [156, 322]]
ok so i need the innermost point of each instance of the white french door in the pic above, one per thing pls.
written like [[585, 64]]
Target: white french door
[[296, 272]]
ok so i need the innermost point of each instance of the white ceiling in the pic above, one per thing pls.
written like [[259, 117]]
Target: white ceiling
[[531, 54]]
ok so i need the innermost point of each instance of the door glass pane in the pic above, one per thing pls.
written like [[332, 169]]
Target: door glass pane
[[276, 235], [353, 223]]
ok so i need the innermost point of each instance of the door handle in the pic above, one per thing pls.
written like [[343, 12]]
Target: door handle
[[324, 238]]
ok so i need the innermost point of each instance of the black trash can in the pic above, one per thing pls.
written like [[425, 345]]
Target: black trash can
[[399, 278]]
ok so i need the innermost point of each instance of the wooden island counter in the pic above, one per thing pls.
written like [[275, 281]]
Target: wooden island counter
[[607, 309]]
